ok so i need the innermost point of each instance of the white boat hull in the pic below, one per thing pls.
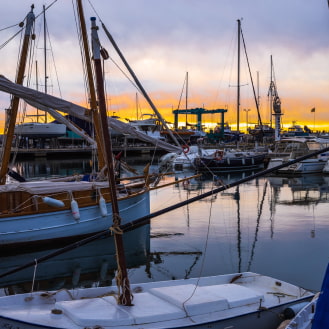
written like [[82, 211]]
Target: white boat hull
[[61, 225], [245, 300], [308, 166], [45, 130]]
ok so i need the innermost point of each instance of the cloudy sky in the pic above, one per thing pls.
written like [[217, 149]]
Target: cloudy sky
[[163, 40]]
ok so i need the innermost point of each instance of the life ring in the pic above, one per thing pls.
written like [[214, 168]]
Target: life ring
[[219, 155], [186, 148]]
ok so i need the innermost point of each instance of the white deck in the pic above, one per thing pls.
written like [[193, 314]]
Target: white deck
[[157, 305]]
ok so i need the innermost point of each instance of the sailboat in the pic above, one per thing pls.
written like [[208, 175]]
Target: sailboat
[[62, 210], [40, 129], [233, 300]]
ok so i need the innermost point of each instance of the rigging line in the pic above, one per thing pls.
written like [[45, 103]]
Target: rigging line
[[181, 94], [204, 253], [8, 27], [46, 8], [82, 55], [54, 62], [11, 38], [121, 70], [117, 65]]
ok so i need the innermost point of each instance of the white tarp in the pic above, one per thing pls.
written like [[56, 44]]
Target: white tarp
[[53, 105]]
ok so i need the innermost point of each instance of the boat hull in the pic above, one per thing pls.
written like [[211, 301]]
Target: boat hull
[[39, 130], [308, 166], [230, 164], [244, 300], [61, 226]]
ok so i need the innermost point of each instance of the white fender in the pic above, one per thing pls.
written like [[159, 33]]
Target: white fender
[[102, 206], [76, 276], [53, 202], [75, 209]]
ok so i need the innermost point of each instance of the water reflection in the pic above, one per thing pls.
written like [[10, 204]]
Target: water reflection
[[43, 167], [85, 266], [304, 190], [272, 225]]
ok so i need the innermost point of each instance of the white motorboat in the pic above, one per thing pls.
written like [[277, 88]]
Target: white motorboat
[[225, 301], [288, 149], [37, 129], [184, 160]]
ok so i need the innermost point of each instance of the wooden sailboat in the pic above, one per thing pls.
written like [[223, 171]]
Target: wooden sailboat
[[237, 299], [56, 211]]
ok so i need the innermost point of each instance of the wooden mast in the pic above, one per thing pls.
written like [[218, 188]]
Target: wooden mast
[[12, 115], [92, 92], [125, 296]]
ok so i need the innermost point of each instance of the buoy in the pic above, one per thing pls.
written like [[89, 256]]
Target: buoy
[[102, 206], [75, 209], [53, 202], [103, 270], [291, 311], [185, 148]]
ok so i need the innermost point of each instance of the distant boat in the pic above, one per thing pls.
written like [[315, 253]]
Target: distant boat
[[287, 149], [150, 125], [40, 130], [230, 161], [185, 160], [296, 130], [262, 130]]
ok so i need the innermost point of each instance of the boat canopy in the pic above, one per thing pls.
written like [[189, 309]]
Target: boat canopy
[[53, 105]]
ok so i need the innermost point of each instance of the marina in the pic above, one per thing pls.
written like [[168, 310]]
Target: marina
[[111, 220], [271, 225]]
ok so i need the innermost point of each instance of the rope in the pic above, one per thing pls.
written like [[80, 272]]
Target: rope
[[115, 228], [34, 272], [204, 253]]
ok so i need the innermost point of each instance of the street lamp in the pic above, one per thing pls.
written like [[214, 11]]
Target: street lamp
[[247, 110]]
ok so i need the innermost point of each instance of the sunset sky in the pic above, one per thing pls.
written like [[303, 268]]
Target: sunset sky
[[162, 40]]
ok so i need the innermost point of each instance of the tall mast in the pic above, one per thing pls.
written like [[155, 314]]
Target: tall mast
[[37, 84], [238, 80], [45, 51], [271, 86], [125, 296], [186, 98], [92, 92], [12, 115], [136, 100]]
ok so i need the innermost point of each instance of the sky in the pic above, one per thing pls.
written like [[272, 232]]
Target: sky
[[163, 40]]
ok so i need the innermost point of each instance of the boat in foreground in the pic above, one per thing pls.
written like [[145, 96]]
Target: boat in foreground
[[247, 300]]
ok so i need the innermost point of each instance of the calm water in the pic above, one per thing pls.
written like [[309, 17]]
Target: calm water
[[275, 226]]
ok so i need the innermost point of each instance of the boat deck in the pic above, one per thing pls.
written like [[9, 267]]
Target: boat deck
[[173, 304]]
